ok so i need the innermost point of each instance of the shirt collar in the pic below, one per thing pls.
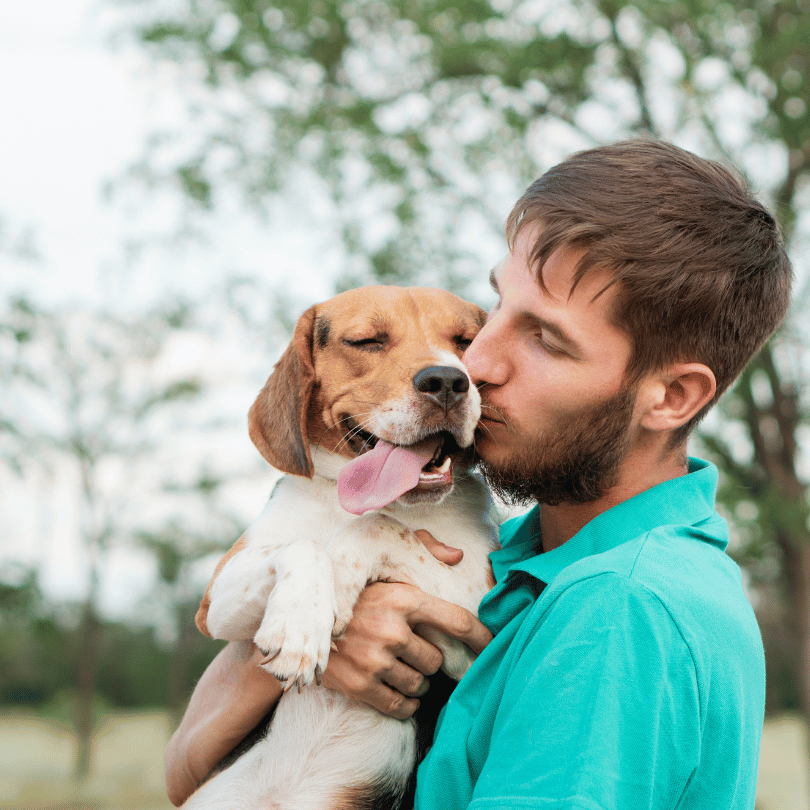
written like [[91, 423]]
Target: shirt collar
[[686, 500]]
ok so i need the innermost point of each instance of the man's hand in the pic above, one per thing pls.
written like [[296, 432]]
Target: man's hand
[[381, 659]]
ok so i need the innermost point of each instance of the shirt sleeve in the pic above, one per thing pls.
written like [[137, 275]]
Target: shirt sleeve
[[601, 709]]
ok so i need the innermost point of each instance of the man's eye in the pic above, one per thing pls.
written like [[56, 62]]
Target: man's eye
[[546, 346]]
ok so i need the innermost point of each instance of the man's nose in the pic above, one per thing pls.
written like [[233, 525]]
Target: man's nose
[[485, 357]]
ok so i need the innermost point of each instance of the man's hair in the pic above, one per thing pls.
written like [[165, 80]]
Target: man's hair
[[700, 266]]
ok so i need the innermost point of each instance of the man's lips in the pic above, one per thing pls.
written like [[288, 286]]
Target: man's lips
[[489, 414]]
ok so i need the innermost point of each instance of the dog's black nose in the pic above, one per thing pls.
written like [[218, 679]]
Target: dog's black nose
[[445, 385]]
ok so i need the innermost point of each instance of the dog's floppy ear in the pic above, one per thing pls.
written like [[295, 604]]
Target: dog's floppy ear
[[480, 315], [277, 422]]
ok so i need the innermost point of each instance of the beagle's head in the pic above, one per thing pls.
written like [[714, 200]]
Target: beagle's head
[[374, 364]]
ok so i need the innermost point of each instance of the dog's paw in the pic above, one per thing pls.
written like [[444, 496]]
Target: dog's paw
[[457, 657], [296, 646], [457, 661]]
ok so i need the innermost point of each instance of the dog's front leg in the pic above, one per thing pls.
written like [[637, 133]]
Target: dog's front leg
[[236, 599], [367, 550], [296, 631]]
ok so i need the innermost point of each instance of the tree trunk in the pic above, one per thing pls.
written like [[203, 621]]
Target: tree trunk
[[179, 686], [774, 430], [86, 689], [797, 577]]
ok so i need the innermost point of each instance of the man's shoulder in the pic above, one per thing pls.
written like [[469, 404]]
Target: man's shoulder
[[666, 554], [685, 582]]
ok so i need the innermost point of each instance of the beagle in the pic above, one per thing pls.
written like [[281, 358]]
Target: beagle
[[371, 413]]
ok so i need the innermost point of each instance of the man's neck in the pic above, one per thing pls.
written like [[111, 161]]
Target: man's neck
[[639, 472]]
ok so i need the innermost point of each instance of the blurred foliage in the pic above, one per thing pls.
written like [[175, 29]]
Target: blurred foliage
[[422, 119], [33, 663], [41, 643]]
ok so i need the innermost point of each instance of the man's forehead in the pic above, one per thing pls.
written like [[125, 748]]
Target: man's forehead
[[559, 276]]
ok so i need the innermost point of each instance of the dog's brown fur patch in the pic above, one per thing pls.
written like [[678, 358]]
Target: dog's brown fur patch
[[202, 613]]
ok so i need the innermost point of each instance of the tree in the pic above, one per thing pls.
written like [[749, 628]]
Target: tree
[[177, 550], [39, 646], [421, 121], [83, 400], [391, 110], [34, 661]]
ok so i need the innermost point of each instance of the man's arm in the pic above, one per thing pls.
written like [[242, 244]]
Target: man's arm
[[229, 701], [381, 660]]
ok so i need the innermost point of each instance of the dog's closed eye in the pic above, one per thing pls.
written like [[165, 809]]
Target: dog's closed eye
[[375, 343]]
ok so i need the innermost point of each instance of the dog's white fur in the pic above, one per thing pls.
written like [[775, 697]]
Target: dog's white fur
[[292, 580]]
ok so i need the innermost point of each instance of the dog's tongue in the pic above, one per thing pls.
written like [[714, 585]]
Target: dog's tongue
[[382, 474]]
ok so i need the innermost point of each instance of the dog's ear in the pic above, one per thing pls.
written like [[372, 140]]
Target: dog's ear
[[480, 315], [277, 421]]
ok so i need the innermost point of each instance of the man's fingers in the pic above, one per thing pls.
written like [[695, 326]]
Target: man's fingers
[[446, 554], [419, 607], [393, 703], [451, 619], [420, 655], [369, 689], [405, 679]]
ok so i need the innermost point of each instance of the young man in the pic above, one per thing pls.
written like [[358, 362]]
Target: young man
[[626, 668]]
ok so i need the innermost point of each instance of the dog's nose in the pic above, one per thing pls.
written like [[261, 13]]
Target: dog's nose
[[445, 385]]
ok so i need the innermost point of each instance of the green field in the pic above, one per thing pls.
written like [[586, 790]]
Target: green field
[[36, 757]]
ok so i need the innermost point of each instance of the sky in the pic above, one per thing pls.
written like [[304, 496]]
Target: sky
[[76, 113], [72, 116]]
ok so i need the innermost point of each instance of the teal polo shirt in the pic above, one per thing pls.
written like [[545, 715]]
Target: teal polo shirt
[[626, 670]]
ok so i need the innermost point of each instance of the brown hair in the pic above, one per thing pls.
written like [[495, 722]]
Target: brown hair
[[700, 264]]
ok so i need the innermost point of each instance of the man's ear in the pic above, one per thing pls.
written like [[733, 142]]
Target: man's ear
[[672, 396]]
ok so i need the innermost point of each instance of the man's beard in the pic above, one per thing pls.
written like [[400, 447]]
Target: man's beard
[[575, 462]]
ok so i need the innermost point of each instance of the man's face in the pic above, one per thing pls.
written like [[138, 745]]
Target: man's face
[[557, 417]]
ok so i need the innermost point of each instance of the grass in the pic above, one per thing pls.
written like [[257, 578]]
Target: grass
[[36, 762], [784, 778], [36, 758]]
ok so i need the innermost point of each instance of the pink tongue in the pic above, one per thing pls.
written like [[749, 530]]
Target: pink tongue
[[382, 474]]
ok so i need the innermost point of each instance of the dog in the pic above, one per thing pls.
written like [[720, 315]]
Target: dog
[[371, 414]]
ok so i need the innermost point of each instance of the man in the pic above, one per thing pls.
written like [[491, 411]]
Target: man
[[626, 668]]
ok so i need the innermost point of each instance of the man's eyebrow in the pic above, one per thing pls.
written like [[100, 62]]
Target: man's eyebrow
[[493, 281]]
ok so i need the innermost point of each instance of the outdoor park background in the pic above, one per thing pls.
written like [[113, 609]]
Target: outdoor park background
[[180, 178]]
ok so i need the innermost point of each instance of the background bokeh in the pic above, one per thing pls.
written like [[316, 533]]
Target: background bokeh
[[179, 179]]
